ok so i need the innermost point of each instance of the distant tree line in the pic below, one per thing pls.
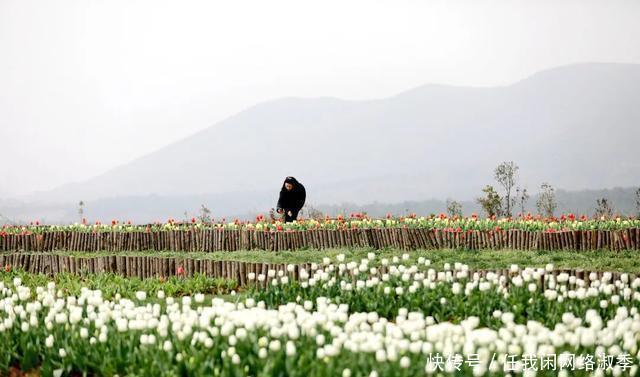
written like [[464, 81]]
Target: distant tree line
[[506, 175]]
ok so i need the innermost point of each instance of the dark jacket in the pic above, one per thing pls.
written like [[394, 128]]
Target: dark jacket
[[292, 200]]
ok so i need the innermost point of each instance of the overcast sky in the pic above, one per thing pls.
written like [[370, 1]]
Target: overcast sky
[[87, 85]]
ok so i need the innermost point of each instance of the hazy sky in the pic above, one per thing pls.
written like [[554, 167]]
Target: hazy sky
[[89, 84]]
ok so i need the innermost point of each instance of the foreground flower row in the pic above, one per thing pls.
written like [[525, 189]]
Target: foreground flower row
[[453, 293], [384, 317], [199, 336]]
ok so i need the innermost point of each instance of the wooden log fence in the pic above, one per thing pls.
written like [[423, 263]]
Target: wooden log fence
[[147, 266], [207, 240]]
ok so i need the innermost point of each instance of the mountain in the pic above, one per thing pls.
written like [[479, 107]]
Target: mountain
[[574, 126]]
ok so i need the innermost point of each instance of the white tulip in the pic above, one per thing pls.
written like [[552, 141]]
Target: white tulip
[[290, 349]]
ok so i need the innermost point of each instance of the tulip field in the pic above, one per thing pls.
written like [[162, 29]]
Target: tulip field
[[346, 296], [406, 233], [380, 314], [353, 221]]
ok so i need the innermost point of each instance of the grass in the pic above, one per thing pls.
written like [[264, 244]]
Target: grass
[[111, 284], [624, 261]]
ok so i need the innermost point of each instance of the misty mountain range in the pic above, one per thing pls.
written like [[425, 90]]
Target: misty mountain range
[[575, 127]]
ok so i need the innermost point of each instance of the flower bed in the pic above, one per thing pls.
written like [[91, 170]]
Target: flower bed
[[358, 318], [568, 222], [249, 237]]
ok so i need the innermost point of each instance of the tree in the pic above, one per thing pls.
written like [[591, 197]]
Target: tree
[[454, 208], [506, 174], [81, 210], [491, 203], [603, 208], [638, 202], [205, 214], [546, 203], [523, 197], [7, 220], [312, 212]]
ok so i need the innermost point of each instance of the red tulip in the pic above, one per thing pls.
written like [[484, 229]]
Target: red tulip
[[7, 268], [180, 271]]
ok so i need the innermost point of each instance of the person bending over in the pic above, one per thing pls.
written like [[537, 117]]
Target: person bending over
[[292, 197]]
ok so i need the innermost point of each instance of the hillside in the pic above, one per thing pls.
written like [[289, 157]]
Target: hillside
[[574, 126]]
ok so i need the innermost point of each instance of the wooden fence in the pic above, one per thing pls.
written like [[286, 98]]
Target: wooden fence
[[247, 239], [155, 266]]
